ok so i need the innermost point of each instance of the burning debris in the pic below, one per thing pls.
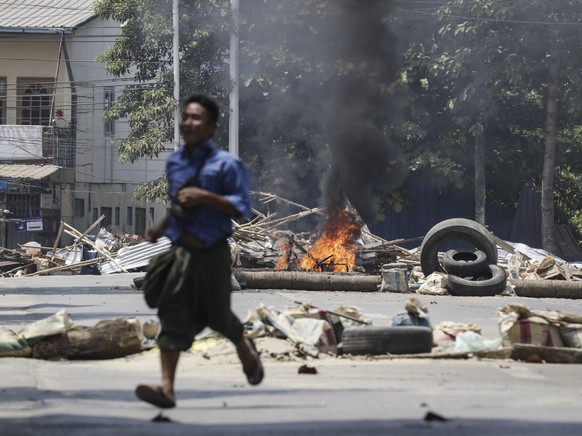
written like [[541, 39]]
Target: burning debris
[[344, 243], [334, 250], [342, 256]]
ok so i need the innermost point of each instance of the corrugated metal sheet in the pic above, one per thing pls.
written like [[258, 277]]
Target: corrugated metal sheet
[[135, 256], [18, 171], [527, 227], [42, 14]]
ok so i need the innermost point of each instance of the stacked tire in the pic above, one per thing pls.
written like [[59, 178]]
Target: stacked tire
[[469, 272]]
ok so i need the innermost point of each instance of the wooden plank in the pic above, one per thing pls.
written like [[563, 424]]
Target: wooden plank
[[57, 239], [86, 231], [103, 253], [500, 353], [507, 247], [66, 267], [535, 354]]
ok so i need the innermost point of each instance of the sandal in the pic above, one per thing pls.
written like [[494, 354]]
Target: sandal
[[256, 373], [155, 395]]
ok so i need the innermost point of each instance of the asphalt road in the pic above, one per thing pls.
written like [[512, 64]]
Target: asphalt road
[[477, 397]]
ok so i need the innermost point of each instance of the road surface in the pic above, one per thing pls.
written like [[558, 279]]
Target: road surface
[[476, 397]]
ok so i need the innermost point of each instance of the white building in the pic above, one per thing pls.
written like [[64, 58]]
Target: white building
[[58, 159]]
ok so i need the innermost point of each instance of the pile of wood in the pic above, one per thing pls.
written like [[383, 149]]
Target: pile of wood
[[33, 259], [258, 243], [264, 239], [550, 269]]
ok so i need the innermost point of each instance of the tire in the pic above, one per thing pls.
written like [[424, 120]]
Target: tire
[[490, 283], [465, 263], [138, 282], [386, 340], [450, 230]]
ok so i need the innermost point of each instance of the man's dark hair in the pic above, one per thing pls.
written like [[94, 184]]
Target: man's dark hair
[[207, 103]]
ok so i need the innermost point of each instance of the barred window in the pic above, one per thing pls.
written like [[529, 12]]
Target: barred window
[[2, 100], [108, 99], [34, 102]]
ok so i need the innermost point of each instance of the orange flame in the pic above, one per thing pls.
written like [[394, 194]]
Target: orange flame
[[335, 247], [284, 260]]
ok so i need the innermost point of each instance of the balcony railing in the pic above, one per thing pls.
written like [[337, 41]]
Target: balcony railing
[[58, 144], [37, 144]]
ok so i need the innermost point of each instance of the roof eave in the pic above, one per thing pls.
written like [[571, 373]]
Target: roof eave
[[37, 30]]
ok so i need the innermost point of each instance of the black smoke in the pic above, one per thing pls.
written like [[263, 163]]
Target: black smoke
[[363, 162], [335, 105]]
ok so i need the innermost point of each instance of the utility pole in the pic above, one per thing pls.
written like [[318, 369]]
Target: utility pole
[[176, 56], [233, 119]]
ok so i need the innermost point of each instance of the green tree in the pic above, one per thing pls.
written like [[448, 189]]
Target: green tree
[[495, 64], [144, 51]]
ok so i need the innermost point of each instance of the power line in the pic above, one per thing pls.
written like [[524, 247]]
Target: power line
[[77, 191], [494, 20], [88, 61]]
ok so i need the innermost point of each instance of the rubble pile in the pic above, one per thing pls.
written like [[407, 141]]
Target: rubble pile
[[306, 332], [259, 243], [284, 246]]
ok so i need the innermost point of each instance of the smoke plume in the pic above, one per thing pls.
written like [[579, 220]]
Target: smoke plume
[[338, 103], [363, 162]]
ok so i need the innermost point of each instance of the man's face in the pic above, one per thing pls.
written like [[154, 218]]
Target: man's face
[[195, 126]]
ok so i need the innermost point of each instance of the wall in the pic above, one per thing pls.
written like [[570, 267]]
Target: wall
[[97, 155], [33, 56], [113, 195], [102, 181]]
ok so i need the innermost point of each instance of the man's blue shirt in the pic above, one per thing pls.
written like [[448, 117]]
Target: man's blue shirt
[[221, 173]]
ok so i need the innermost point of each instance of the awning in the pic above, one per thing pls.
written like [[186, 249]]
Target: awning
[[21, 171]]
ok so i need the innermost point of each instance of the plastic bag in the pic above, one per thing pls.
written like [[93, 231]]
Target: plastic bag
[[435, 284], [472, 341], [58, 323], [13, 346]]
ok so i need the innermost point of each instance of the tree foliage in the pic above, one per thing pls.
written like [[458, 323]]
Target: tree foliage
[[485, 72], [467, 69]]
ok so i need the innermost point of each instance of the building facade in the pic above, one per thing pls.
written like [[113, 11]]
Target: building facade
[[58, 159]]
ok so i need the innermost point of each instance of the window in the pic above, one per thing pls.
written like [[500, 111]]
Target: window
[[79, 207], [23, 205], [108, 99], [95, 214], [129, 217], [140, 220], [34, 102], [2, 100], [107, 220], [117, 216], [152, 218]]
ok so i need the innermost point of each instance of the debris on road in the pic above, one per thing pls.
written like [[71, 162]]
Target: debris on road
[[108, 339], [272, 251], [306, 332], [306, 369], [58, 337]]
